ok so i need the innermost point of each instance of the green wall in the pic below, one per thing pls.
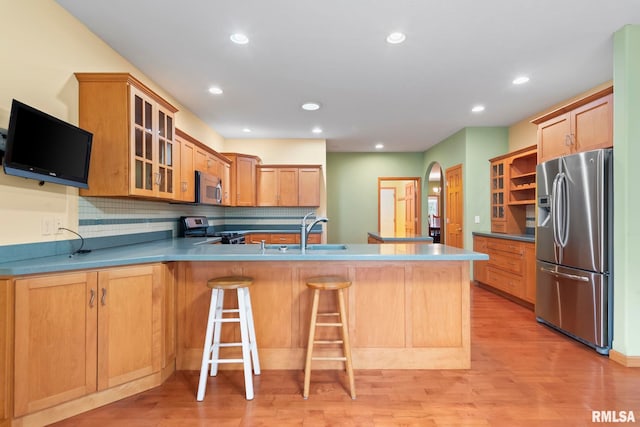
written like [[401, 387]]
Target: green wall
[[352, 190], [626, 152], [472, 147], [352, 181]]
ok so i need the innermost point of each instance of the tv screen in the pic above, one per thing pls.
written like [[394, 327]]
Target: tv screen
[[42, 147]]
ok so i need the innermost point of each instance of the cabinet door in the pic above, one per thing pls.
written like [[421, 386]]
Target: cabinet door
[[309, 187], [144, 152], [593, 125], [226, 185], [129, 324], [169, 316], [554, 138], [245, 181], [267, 186], [480, 267], [165, 167], [498, 194], [6, 334], [186, 189], [201, 160], [55, 340], [288, 187]]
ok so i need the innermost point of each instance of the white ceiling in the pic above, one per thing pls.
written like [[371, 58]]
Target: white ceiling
[[458, 53]]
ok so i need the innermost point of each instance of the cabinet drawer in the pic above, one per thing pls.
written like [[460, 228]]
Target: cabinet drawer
[[504, 281], [506, 261], [288, 238], [506, 246]]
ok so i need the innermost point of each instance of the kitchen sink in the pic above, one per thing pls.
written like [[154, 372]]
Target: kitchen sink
[[313, 247]]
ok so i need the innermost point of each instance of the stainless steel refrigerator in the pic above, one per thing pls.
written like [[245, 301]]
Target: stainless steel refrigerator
[[574, 233]]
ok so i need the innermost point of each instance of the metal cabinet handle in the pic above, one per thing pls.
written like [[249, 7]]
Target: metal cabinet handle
[[103, 300], [92, 298]]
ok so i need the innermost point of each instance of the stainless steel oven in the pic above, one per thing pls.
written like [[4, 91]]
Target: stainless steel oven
[[208, 189]]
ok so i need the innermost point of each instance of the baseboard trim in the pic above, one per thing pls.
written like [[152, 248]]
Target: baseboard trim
[[624, 360]]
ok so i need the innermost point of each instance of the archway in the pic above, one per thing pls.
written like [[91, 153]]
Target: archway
[[434, 202]]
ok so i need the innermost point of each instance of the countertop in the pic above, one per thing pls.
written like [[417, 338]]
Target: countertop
[[199, 249], [396, 239], [520, 237]]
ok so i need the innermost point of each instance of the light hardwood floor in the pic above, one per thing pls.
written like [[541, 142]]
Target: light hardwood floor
[[522, 374]]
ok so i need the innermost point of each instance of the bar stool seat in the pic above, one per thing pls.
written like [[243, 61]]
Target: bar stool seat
[[337, 284], [212, 344]]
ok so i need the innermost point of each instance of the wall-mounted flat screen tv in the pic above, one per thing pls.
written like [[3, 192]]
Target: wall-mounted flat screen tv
[[42, 147]]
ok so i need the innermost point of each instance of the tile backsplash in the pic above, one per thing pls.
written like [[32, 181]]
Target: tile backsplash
[[102, 217]]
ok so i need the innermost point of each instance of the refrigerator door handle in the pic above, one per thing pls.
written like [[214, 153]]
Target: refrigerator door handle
[[563, 195], [554, 210], [564, 275]]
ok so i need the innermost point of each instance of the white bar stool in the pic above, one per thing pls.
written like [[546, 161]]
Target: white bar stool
[[328, 283], [212, 344]]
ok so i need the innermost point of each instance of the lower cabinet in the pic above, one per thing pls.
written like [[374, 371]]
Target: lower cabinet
[[282, 238], [6, 335], [82, 332], [510, 268]]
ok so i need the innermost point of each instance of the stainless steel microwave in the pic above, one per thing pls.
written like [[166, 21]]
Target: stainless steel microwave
[[208, 189]]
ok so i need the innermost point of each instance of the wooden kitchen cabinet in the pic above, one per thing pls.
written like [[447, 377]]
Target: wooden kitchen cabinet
[[243, 178], [288, 185], [480, 267], [75, 333], [169, 314], [309, 182], [282, 238], [6, 359], [586, 124], [133, 128], [56, 326], [498, 182], [186, 186], [510, 268], [196, 156], [277, 186], [513, 188]]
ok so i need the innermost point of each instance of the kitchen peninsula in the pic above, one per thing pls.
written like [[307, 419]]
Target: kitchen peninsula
[[408, 308]]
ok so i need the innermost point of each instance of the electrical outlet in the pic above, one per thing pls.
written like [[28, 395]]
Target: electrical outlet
[[57, 224], [46, 225], [477, 219]]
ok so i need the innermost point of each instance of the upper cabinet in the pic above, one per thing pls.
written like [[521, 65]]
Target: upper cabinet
[[133, 152], [513, 188], [242, 179], [288, 185], [586, 124], [196, 156], [309, 186]]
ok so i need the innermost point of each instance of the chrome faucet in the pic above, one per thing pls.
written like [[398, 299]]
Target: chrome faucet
[[306, 229]]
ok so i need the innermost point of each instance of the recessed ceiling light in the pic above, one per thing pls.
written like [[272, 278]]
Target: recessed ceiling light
[[239, 38], [215, 90], [246, 130], [310, 106], [379, 146], [520, 80], [478, 108], [316, 130], [396, 38]]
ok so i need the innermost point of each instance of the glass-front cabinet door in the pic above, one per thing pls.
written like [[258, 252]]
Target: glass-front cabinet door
[[152, 152], [498, 218]]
